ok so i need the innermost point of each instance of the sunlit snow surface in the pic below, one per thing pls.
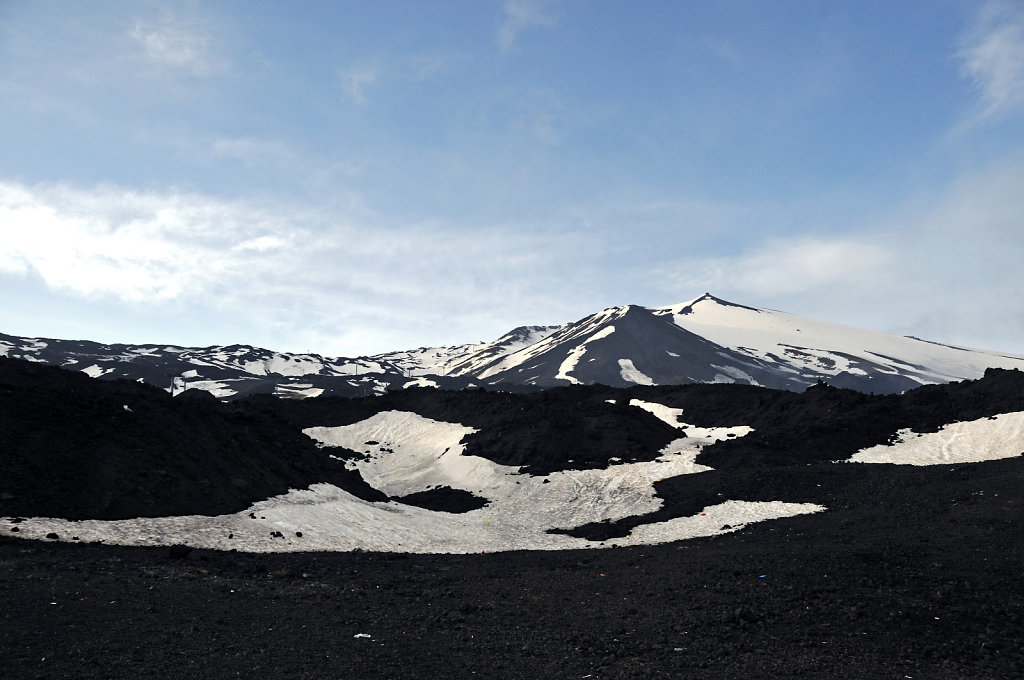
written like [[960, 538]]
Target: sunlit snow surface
[[577, 353], [95, 371], [406, 453], [974, 441], [827, 348], [703, 435], [630, 373]]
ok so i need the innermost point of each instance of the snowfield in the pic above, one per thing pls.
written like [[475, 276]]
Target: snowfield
[[821, 347], [403, 453], [994, 438], [407, 453]]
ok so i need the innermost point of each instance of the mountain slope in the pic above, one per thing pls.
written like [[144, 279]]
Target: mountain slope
[[704, 340]]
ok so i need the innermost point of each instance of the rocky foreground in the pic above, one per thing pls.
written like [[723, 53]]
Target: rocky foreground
[[912, 571]]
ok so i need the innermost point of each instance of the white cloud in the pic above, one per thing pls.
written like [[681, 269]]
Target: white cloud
[[355, 81], [178, 41], [785, 267], [117, 243], [310, 278], [521, 15], [993, 58], [945, 268], [262, 244]]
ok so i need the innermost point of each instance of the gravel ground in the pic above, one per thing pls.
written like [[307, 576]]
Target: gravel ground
[[912, 572], [799, 598]]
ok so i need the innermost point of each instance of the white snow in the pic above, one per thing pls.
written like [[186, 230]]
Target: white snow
[[292, 366], [736, 374], [420, 382], [591, 326], [820, 346], [413, 453], [254, 367], [96, 371], [297, 390], [703, 435], [218, 389], [577, 353], [630, 373], [1001, 436], [468, 359]]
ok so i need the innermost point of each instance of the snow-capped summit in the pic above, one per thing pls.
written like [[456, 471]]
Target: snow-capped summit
[[706, 339]]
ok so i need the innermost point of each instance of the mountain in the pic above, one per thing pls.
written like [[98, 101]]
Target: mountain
[[704, 340]]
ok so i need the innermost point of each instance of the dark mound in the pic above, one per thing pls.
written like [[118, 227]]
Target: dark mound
[[444, 499], [79, 448]]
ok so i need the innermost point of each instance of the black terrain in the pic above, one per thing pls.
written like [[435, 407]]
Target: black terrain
[[911, 572]]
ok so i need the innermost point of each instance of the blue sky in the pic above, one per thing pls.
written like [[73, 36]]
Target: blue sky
[[357, 177]]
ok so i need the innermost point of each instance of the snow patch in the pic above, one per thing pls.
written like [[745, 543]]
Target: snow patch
[[630, 373], [420, 382], [703, 435], [577, 353], [217, 389], [736, 374], [974, 441], [297, 390], [95, 371]]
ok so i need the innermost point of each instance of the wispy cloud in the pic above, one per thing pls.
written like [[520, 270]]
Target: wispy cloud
[[992, 54], [355, 81], [345, 280], [540, 116], [520, 15], [252, 151], [178, 41], [784, 267], [410, 70], [945, 267]]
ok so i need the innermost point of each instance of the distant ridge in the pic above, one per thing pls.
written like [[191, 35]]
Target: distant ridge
[[704, 340]]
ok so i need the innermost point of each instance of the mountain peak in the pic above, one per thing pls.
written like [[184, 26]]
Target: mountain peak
[[688, 307]]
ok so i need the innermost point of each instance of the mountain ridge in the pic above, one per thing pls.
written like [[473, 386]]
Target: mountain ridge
[[703, 340]]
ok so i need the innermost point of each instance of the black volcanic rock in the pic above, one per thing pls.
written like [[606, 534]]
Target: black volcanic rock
[[910, 572], [443, 499], [79, 448]]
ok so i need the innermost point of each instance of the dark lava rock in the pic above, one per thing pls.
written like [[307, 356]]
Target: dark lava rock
[[444, 499]]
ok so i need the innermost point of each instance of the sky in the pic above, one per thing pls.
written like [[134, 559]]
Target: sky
[[354, 177]]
